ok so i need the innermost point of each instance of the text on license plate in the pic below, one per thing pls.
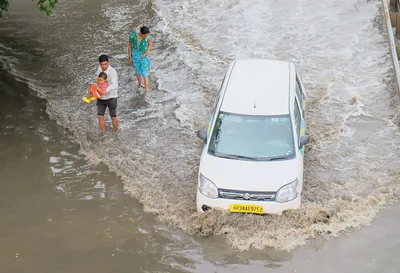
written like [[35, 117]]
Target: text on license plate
[[246, 208]]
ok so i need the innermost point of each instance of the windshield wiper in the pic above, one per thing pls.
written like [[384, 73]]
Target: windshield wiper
[[278, 158], [246, 157], [236, 156]]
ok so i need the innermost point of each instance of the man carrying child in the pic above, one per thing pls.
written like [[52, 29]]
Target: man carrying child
[[109, 99]]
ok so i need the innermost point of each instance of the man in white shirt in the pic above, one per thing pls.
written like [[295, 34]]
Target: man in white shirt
[[109, 99]]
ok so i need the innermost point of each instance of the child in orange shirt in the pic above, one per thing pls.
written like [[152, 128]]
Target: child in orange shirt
[[95, 91]]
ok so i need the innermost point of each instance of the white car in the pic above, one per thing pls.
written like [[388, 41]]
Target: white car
[[252, 160]]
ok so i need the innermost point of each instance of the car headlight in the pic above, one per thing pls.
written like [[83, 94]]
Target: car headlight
[[287, 193], [207, 188]]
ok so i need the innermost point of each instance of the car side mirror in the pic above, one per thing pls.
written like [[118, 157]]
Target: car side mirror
[[202, 135], [304, 140]]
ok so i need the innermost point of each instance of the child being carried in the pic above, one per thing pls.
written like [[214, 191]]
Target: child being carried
[[97, 90]]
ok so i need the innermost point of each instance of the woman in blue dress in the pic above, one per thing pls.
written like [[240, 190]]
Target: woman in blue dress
[[139, 47]]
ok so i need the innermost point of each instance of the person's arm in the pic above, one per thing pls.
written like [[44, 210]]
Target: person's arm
[[150, 45], [98, 70], [113, 82], [130, 50], [101, 90], [137, 30]]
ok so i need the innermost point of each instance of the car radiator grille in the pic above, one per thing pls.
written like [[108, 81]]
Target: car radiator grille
[[246, 195]]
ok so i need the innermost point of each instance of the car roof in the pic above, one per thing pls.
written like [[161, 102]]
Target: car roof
[[258, 87]]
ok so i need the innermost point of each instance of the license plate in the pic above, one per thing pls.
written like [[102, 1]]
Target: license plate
[[246, 208]]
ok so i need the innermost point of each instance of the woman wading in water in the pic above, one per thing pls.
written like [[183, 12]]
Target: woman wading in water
[[139, 47]]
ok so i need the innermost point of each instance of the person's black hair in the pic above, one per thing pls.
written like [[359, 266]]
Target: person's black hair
[[103, 75], [144, 30], [103, 58]]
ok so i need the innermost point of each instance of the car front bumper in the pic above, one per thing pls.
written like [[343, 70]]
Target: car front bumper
[[270, 207]]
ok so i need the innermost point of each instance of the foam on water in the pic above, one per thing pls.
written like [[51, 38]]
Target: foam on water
[[340, 55], [350, 170]]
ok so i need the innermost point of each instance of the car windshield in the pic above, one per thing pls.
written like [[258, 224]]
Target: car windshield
[[247, 137]]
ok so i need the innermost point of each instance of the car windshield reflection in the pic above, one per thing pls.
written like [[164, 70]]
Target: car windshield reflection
[[254, 138]]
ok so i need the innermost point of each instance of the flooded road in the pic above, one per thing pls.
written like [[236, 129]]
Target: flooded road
[[60, 202], [61, 214], [58, 213]]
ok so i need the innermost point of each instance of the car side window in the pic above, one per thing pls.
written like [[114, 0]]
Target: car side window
[[299, 93], [217, 99], [215, 106], [219, 94], [297, 117]]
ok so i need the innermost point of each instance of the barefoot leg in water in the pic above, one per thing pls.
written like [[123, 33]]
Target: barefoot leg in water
[[115, 123], [139, 79], [146, 84], [102, 123]]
